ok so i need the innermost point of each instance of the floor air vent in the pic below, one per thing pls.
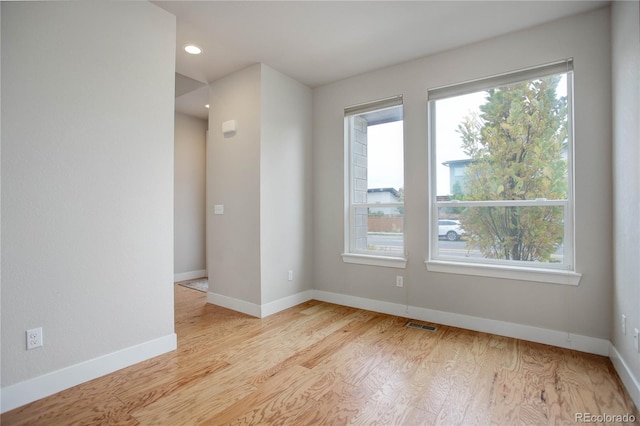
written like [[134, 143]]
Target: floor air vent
[[412, 324]]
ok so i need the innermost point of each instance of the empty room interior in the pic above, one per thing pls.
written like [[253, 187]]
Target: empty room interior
[[404, 213]]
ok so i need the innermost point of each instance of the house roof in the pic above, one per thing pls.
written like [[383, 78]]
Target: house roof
[[393, 191], [453, 163]]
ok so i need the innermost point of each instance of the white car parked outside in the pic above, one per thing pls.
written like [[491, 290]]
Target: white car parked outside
[[450, 229]]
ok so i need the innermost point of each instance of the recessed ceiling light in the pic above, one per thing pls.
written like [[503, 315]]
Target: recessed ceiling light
[[193, 49], [206, 106]]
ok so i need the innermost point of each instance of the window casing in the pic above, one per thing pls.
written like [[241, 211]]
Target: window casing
[[501, 164], [374, 183]]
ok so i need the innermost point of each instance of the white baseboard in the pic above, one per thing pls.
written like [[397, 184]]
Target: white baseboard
[[22, 393], [259, 311], [540, 335], [626, 375], [286, 303], [557, 338], [191, 275], [238, 305]]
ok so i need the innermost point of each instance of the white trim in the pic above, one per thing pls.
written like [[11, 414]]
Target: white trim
[[518, 331], [287, 302], [234, 304], [22, 393], [183, 276], [367, 259], [630, 382], [553, 276], [259, 311]]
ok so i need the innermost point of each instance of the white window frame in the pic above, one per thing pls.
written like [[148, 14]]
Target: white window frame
[[351, 254], [561, 273]]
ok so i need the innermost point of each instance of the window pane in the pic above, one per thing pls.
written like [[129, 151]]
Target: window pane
[[385, 156], [505, 143], [376, 149], [379, 230], [377, 156], [518, 233]]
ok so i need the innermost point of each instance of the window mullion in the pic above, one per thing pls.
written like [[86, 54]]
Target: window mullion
[[374, 205], [501, 203]]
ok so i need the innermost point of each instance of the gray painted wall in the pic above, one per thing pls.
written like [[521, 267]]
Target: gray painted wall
[[585, 309], [285, 186], [626, 182], [233, 180], [189, 209], [87, 178], [262, 176]]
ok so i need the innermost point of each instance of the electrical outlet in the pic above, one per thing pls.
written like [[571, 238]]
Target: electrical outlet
[[635, 339], [624, 325], [290, 275], [34, 338], [399, 281]]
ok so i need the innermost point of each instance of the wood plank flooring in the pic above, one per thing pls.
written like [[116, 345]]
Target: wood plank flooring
[[324, 364]]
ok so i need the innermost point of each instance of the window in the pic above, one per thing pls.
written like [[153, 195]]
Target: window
[[501, 176], [374, 187]]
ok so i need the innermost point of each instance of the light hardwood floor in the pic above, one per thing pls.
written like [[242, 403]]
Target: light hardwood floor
[[319, 363]]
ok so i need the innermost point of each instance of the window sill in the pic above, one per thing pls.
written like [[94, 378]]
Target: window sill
[[367, 259], [553, 276]]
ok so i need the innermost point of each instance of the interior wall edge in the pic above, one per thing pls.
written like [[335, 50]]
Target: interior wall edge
[[631, 383]]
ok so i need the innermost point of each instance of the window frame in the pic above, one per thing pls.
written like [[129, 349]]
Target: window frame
[[562, 273], [351, 254]]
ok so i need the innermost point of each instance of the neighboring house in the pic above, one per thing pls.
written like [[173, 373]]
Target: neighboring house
[[457, 175], [384, 195]]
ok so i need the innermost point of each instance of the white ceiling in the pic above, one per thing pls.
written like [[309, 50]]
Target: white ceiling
[[318, 42]]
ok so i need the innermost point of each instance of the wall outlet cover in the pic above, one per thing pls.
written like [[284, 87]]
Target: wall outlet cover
[[34, 338]]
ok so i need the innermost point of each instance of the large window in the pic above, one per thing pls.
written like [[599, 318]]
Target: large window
[[374, 187], [501, 175]]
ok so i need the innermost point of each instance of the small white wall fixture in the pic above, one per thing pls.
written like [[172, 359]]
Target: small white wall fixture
[[229, 128]]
